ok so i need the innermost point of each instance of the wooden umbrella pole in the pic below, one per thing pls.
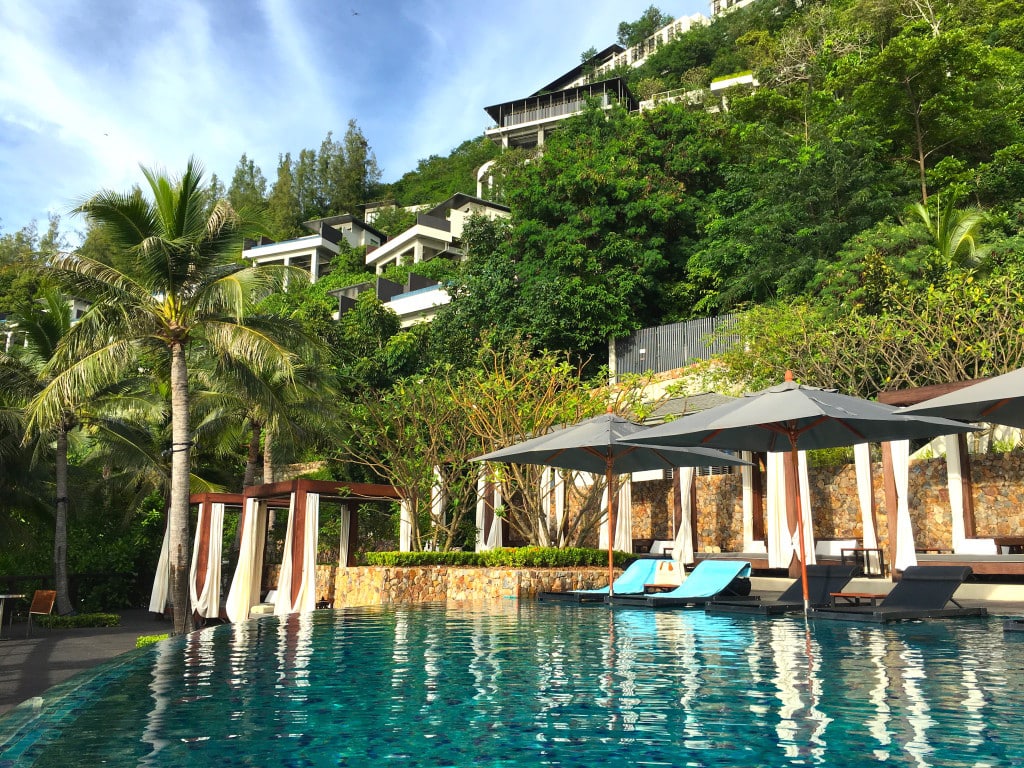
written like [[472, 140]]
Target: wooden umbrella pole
[[795, 462], [611, 529]]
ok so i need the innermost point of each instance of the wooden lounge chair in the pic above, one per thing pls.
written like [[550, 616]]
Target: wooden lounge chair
[[42, 605], [924, 592], [822, 580], [631, 582], [708, 580]]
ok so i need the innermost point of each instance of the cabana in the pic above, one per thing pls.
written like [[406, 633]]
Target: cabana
[[296, 586], [992, 556]]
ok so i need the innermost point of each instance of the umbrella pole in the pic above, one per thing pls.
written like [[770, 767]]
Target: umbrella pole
[[795, 461], [608, 476]]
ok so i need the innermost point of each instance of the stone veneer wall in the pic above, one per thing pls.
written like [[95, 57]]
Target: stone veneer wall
[[380, 585], [324, 579], [998, 503]]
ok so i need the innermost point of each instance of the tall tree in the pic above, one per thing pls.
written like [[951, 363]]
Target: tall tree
[[284, 211], [248, 190], [634, 33], [42, 327], [175, 282]]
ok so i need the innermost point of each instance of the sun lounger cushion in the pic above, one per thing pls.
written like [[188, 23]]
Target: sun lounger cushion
[[709, 578]]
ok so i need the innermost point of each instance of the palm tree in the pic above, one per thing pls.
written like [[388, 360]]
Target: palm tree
[[174, 282], [42, 327], [953, 231]]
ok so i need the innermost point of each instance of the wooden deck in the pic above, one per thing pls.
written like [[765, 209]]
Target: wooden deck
[[982, 565], [758, 560]]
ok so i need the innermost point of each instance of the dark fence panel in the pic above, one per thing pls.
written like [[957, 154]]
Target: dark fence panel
[[666, 347]]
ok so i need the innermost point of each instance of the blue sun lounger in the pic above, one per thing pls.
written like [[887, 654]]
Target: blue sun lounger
[[708, 580], [631, 582]]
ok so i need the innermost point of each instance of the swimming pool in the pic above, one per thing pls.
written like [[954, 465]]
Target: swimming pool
[[541, 685]]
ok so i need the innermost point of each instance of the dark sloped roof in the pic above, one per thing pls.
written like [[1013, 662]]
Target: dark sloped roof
[[678, 406]]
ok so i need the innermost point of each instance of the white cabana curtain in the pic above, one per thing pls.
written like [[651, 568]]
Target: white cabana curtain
[[207, 603], [682, 546], [547, 498], [488, 533], [750, 544], [560, 492], [862, 464], [806, 510], [955, 482], [305, 599], [162, 577], [782, 544], [481, 510], [905, 556], [405, 526], [623, 534], [244, 592], [495, 537], [438, 500], [552, 499], [345, 532]]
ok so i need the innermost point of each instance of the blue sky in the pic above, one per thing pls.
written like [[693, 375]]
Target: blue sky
[[91, 89]]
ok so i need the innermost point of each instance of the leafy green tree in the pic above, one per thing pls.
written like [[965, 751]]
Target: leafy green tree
[[283, 209], [437, 178], [175, 282], [787, 206], [600, 222], [248, 190], [939, 95], [634, 33]]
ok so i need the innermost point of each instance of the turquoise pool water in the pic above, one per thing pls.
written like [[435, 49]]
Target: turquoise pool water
[[542, 685]]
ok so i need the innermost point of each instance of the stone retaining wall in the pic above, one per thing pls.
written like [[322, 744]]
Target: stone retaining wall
[[998, 503], [380, 585]]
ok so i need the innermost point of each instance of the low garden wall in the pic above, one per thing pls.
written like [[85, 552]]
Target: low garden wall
[[383, 585]]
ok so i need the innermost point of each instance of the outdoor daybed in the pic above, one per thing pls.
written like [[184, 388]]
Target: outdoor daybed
[[923, 592], [822, 581]]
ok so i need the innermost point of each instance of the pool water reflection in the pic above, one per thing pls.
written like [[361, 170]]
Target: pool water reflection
[[551, 685]]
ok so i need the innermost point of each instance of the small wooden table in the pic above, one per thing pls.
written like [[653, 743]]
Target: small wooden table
[[1014, 544], [862, 555], [857, 598]]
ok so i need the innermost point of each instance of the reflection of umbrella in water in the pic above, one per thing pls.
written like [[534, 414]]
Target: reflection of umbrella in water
[[775, 419], [593, 446], [999, 400]]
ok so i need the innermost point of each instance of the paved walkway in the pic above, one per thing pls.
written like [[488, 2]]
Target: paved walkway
[[28, 667]]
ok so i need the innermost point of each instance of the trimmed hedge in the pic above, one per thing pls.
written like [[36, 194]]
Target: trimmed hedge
[[145, 640], [80, 620], [519, 557]]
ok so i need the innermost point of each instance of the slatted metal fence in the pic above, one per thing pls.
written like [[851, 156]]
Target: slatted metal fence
[[666, 347]]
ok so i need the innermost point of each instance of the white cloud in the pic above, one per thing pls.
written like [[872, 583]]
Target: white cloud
[[88, 90]]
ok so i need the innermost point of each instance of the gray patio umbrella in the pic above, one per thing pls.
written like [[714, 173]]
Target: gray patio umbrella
[[593, 445], [999, 400], [781, 417]]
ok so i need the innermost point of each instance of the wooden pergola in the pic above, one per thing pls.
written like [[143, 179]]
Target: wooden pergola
[[293, 495]]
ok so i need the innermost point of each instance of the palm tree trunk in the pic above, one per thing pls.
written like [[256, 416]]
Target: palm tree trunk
[[252, 461], [60, 536], [268, 466], [177, 518]]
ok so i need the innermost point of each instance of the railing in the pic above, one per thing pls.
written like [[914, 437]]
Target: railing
[[666, 347]]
